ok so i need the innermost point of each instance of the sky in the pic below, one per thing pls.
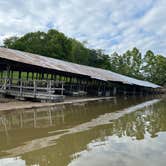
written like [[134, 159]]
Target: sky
[[111, 25]]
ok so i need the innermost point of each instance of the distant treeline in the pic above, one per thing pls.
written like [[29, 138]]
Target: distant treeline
[[56, 45]]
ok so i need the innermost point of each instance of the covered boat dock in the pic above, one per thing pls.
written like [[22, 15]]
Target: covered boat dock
[[30, 76]]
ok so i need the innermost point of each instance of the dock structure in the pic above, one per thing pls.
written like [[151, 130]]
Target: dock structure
[[43, 90], [31, 76]]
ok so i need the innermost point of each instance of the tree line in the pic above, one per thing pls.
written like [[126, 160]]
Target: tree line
[[55, 44]]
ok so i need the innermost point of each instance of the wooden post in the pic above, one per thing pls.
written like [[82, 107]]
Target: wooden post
[[1, 74], [141, 91], [42, 76], [114, 91], [62, 89], [134, 91], [37, 76], [32, 75], [47, 86], [7, 77], [19, 75], [70, 79], [153, 91], [52, 77], [10, 82], [104, 89], [27, 75], [12, 74], [124, 90], [34, 85], [8, 72], [21, 88], [5, 84], [71, 87], [50, 89]]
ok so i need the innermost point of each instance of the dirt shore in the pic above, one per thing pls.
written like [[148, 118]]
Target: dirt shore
[[7, 105]]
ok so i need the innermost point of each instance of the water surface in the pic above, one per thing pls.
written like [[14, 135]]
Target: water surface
[[123, 131]]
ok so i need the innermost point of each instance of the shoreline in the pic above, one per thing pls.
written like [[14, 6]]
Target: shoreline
[[18, 105]]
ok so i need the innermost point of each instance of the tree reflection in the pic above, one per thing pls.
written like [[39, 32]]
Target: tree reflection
[[149, 120]]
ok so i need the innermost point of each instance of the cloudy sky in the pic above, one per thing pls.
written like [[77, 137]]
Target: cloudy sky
[[112, 25]]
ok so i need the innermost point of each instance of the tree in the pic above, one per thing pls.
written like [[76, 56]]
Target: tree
[[79, 53], [129, 63], [10, 42], [154, 68]]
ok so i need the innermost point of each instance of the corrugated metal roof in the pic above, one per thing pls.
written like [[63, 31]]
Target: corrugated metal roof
[[55, 64]]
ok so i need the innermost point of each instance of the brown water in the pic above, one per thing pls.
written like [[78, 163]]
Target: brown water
[[119, 132]]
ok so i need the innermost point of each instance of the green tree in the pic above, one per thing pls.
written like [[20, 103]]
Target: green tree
[[130, 63], [154, 68], [79, 54], [10, 42]]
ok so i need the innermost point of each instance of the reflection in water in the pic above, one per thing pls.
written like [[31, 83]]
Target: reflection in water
[[129, 133], [122, 151], [12, 161]]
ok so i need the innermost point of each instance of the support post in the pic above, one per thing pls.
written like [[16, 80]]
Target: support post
[[34, 85], [124, 92], [50, 84], [114, 91], [62, 89], [134, 91], [27, 75], [32, 75], [21, 88]]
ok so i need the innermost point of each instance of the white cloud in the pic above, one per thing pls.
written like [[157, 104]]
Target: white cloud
[[114, 151], [107, 24]]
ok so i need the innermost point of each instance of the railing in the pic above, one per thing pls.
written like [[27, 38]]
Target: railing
[[33, 86]]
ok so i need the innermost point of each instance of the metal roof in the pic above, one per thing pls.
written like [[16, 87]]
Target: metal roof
[[69, 67]]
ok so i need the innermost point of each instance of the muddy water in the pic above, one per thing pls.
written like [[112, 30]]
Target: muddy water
[[118, 132]]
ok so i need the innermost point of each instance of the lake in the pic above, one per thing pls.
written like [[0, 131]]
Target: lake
[[119, 132]]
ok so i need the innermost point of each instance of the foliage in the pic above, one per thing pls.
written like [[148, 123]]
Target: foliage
[[56, 45], [10, 42], [129, 63], [155, 68]]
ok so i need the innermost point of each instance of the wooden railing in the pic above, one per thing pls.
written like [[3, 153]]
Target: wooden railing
[[33, 86]]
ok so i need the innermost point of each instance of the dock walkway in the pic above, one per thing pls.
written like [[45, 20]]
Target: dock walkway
[[18, 105], [38, 90]]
